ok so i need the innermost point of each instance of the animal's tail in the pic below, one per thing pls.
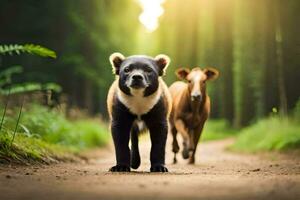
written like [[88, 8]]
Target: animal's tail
[[135, 154]]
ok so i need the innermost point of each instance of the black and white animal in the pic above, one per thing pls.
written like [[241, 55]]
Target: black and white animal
[[139, 99]]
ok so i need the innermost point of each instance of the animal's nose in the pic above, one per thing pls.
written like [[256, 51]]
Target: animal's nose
[[137, 77], [196, 96]]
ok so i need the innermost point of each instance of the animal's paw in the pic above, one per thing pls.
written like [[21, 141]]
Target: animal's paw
[[120, 168], [185, 153], [158, 168]]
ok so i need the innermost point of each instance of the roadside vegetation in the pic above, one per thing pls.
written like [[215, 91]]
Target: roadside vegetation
[[46, 135], [272, 133], [36, 133]]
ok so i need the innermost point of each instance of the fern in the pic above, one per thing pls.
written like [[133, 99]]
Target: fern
[[30, 87], [27, 48], [5, 75]]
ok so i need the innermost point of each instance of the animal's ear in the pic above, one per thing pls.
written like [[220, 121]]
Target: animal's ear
[[162, 62], [182, 73], [116, 60], [211, 73]]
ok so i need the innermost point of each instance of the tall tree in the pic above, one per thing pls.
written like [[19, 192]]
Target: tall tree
[[223, 44], [279, 60]]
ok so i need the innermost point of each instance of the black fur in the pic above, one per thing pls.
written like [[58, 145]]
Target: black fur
[[138, 72], [121, 126], [150, 73], [122, 86], [157, 123]]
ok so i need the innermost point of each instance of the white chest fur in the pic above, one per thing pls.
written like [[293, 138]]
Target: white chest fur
[[137, 103]]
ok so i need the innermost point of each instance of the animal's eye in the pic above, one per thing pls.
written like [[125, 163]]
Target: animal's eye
[[189, 81], [148, 70], [126, 69]]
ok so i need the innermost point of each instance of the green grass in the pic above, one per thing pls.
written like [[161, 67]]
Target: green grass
[[45, 134], [273, 133], [53, 127], [216, 130], [26, 150]]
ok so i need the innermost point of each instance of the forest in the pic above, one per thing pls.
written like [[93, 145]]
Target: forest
[[253, 43], [257, 54], [56, 139]]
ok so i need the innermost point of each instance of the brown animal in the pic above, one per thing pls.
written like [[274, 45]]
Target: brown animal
[[191, 108]]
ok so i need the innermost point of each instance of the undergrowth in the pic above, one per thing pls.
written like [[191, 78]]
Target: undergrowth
[[44, 135], [272, 133]]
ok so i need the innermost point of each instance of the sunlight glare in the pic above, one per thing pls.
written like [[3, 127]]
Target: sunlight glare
[[152, 10]]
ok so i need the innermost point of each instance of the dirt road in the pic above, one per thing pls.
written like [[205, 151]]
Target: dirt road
[[217, 174]]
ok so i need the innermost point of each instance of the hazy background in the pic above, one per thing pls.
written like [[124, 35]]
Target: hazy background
[[255, 45]]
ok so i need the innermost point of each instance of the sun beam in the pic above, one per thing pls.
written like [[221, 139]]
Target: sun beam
[[152, 10]]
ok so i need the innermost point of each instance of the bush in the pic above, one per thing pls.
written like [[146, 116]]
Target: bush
[[53, 127], [273, 133], [45, 134]]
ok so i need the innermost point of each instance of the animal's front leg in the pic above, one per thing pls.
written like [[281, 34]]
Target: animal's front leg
[[192, 142], [158, 134], [175, 146], [180, 126], [121, 134], [196, 136]]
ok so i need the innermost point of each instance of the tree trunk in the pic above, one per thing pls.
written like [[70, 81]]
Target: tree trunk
[[279, 61]]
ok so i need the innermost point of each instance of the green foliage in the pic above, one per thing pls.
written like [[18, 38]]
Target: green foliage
[[53, 127], [51, 133], [27, 149], [238, 37], [27, 48], [6, 78], [6, 75], [217, 129], [273, 133], [224, 34], [30, 87]]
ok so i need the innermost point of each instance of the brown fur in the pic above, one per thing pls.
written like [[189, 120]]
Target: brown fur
[[110, 97], [188, 117]]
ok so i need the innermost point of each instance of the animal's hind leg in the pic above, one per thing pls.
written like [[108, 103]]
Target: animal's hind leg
[[180, 126], [175, 146]]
